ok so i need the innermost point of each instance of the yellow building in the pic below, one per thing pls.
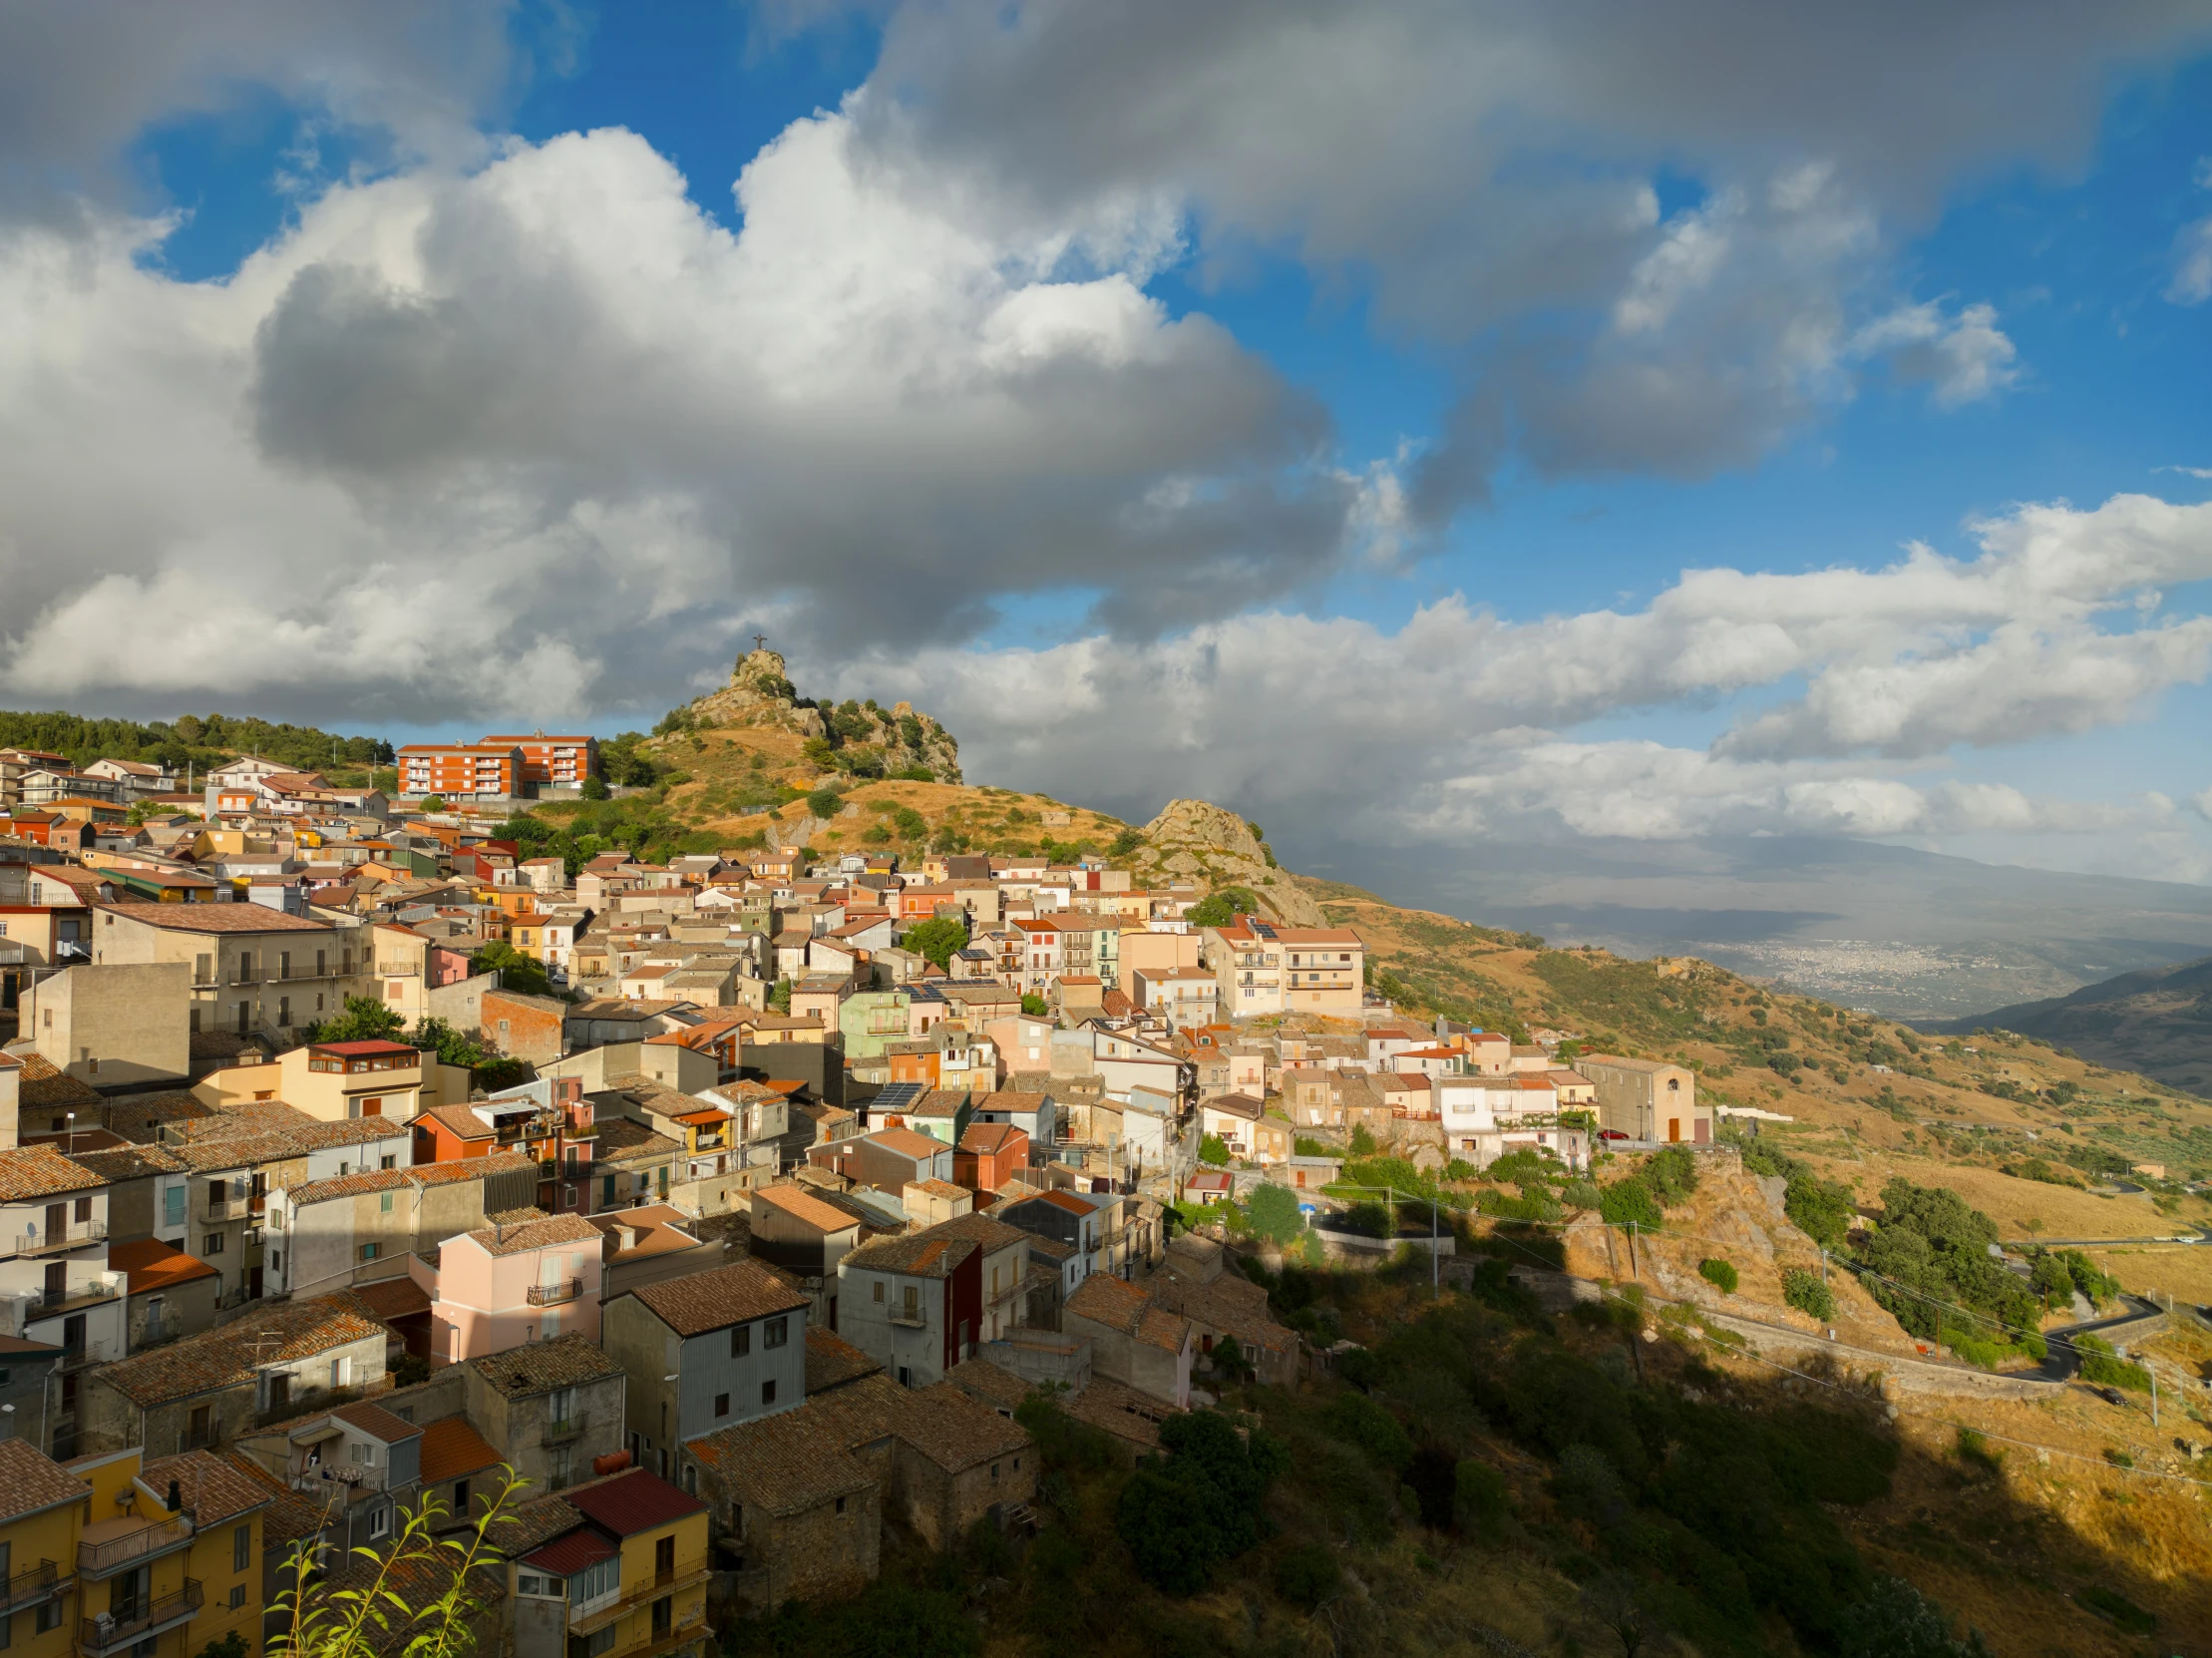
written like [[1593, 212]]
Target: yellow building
[[628, 1580], [104, 1558]]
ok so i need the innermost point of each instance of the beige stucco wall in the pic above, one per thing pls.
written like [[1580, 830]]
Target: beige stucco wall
[[112, 1024]]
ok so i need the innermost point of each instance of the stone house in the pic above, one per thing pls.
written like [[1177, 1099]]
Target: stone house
[[204, 1391], [554, 1408], [706, 1351], [1134, 1341]]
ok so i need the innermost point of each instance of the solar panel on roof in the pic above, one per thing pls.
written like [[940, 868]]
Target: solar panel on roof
[[897, 1097]]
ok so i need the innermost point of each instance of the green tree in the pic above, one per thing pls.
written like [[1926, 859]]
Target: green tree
[[1273, 1213], [434, 803], [1035, 1005], [595, 787], [523, 974], [778, 999], [1213, 1149], [825, 802], [940, 937], [1218, 909], [1894, 1620], [1718, 1273], [364, 1018], [1481, 1500], [1362, 1142], [1178, 1520], [1805, 1292], [1631, 1200], [1306, 1576]]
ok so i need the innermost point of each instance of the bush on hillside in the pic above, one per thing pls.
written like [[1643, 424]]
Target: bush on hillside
[[1718, 1273], [1179, 1518], [1673, 1175], [1630, 1201], [1805, 1292]]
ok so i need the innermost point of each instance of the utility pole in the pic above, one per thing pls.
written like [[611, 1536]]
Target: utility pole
[[2152, 1371]]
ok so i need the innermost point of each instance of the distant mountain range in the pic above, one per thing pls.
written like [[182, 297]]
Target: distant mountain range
[[2157, 1021], [1910, 933]]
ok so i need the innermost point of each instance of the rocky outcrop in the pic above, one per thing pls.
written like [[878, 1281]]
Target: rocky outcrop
[[1199, 841], [866, 740]]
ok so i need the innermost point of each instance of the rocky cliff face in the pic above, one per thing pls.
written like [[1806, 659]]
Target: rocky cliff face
[[1200, 841], [865, 739]]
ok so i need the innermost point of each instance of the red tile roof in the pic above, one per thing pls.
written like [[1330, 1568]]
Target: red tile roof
[[639, 1500], [151, 1264], [452, 1448]]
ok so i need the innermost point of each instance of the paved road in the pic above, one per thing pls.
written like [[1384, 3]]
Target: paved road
[[2064, 1360], [2104, 1243]]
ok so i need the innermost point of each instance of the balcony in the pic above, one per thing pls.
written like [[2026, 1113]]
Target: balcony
[[599, 1614], [48, 1243], [328, 1476], [98, 1637], [46, 1303], [567, 1428], [127, 1543], [30, 1586], [554, 1294], [227, 1208], [909, 1318]]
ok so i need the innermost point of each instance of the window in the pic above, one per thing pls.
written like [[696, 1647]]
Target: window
[[539, 1585], [242, 1547], [741, 1339], [211, 1244], [664, 1557], [238, 1595], [84, 1210], [775, 1332], [50, 1612], [768, 1393], [380, 1520], [841, 1505], [597, 1581], [368, 1252], [384, 1203], [721, 1405], [878, 1289], [284, 1009], [461, 1498]]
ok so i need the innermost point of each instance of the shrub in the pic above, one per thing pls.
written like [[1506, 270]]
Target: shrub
[[1580, 1194], [1178, 1519], [1480, 1500], [2113, 1373], [1895, 1621], [1357, 1420], [1718, 1273], [1212, 1149], [595, 787], [1273, 1213], [1805, 1292], [1631, 1200], [1307, 1576], [825, 802], [1673, 1175], [1362, 1142]]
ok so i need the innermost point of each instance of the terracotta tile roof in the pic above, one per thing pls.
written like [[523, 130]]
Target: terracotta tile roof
[[543, 1232], [35, 1171], [209, 1487], [992, 1385], [452, 1449], [982, 1229], [1235, 1104], [387, 1299], [374, 1420], [31, 1481], [943, 1189], [150, 1264], [539, 1366], [1122, 1411], [627, 1503], [349, 1185], [222, 1359], [459, 1120], [469, 1168], [927, 1254], [735, 1293], [991, 1138], [291, 1515], [1106, 1300], [48, 1088], [907, 1142], [215, 918], [126, 1162], [572, 1551], [832, 1361], [624, 1143], [800, 1204]]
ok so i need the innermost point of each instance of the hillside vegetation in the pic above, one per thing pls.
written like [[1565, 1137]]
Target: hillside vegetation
[[2157, 1021], [200, 741]]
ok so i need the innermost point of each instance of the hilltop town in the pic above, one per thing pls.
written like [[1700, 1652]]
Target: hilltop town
[[792, 1160]]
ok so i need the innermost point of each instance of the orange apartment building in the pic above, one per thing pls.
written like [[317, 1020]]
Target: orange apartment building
[[461, 770], [555, 760]]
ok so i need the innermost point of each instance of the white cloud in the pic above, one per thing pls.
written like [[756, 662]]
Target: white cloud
[[1452, 725], [377, 466], [2192, 276], [1966, 357]]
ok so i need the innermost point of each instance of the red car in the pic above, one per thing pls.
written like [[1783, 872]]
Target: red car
[[1612, 1135]]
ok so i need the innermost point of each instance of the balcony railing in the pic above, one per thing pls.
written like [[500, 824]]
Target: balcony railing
[[104, 1634], [47, 1302], [75, 1236], [30, 1585], [327, 1475], [597, 1614], [569, 1428], [227, 1208], [552, 1295], [101, 1558]]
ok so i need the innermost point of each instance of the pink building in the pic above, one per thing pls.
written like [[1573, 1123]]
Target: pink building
[[524, 1277]]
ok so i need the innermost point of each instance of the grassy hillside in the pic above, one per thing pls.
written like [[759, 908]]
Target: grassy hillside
[[2157, 1021], [200, 741]]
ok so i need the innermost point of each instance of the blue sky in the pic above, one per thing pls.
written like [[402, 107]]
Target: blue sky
[[1319, 323]]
